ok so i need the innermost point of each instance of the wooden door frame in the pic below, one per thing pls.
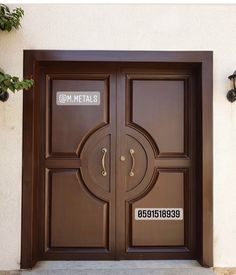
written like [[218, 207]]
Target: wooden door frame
[[32, 59]]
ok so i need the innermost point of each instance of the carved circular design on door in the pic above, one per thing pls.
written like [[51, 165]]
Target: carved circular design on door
[[144, 167], [92, 158], [136, 163]]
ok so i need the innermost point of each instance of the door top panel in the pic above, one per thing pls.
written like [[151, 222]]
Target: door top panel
[[70, 126]]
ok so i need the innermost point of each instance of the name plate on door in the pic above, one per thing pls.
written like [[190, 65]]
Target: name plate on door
[[71, 98]]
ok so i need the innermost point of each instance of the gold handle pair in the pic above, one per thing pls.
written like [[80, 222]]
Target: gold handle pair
[[104, 172]]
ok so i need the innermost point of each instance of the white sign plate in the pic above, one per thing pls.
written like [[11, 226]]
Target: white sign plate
[[159, 214], [71, 98]]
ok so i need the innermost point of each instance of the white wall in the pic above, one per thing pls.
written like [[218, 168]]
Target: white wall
[[123, 27]]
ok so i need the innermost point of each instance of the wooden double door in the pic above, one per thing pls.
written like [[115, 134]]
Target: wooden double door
[[118, 179]]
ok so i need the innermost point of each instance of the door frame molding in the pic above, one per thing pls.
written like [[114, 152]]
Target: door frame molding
[[32, 58]]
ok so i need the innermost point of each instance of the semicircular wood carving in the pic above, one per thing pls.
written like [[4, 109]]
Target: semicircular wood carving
[[145, 161], [91, 159]]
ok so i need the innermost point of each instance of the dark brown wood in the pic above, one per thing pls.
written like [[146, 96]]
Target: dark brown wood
[[195, 69], [29, 212], [207, 161], [76, 209], [157, 119]]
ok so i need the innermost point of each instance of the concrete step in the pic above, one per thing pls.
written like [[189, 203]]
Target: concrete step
[[175, 267], [136, 271]]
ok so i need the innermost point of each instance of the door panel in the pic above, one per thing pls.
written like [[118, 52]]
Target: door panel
[[72, 124], [78, 201], [157, 118], [163, 101], [168, 192], [78, 218]]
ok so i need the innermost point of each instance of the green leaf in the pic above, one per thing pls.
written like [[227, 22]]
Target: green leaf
[[8, 19], [15, 79], [7, 76], [1, 77], [13, 84], [7, 82]]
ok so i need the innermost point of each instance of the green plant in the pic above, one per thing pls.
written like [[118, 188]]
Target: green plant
[[8, 19], [12, 83]]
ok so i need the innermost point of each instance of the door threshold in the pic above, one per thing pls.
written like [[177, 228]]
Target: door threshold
[[123, 267], [122, 264]]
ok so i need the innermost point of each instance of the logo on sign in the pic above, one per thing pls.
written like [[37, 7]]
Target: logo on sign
[[70, 98]]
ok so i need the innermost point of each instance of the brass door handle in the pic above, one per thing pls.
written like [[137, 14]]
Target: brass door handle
[[131, 173], [104, 172]]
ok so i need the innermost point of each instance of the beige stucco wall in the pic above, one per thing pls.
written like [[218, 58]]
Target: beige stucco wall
[[123, 27]]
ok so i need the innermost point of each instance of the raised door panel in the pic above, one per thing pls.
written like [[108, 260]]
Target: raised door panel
[[163, 118], [77, 217], [69, 126], [167, 193]]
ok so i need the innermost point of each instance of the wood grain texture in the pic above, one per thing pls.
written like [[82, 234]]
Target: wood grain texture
[[41, 63]]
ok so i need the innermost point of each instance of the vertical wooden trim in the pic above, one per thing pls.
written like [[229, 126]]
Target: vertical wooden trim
[[28, 208], [207, 159]]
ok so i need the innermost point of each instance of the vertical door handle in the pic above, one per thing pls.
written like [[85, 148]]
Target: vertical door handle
[[131, 173], [104, 172]]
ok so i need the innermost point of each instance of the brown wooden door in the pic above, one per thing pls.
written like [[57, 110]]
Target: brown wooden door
[[156, 129], [77, 205], [143, 134]]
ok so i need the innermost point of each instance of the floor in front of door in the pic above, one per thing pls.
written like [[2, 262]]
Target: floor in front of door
[[152, 267]]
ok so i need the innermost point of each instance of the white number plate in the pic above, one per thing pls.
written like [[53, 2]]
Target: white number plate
[[159, 214]]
